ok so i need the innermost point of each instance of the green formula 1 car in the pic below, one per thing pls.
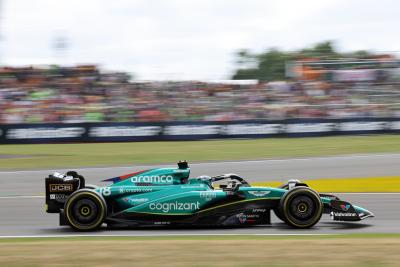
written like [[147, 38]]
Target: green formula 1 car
[[166, 196]]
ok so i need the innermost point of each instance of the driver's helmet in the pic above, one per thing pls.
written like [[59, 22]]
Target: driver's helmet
[[231, 184]]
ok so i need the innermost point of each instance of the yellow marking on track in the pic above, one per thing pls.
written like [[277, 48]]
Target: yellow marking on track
[[384, 184]]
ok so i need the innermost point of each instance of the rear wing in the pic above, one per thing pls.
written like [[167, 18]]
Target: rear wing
[[59, 187]]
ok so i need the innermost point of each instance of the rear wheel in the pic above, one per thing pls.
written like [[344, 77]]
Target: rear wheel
[[301, 207], [85, 210], [91, 186]]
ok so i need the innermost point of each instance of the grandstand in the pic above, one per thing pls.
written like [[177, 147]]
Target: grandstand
[[48, 94]]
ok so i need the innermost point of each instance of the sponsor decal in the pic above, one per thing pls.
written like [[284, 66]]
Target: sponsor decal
[[110, 131], [208, 195], [59, 197], [153, 179], [134, 190], [309, 127], [259, 210], [329, 196], [175, 206], [61, 187], [344, 214], [250, 218], [138, 200], [394, 125], [105, 191], [345, 207], [259, 193], [246, 129], [242, 218], [45, 132], [192, 130], [362, 126]]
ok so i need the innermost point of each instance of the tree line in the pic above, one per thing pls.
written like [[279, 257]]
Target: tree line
[[270, 65]]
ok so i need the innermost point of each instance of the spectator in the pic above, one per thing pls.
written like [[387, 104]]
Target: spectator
[[84, 94]]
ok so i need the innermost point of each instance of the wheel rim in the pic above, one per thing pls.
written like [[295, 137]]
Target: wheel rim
[[302, 207], [85, 211]]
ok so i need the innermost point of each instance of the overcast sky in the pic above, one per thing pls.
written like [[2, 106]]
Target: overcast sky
[[186, 39]]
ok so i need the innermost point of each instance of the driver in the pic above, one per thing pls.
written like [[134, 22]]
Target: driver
[[231, 185]]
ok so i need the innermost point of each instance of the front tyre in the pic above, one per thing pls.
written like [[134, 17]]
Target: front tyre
[[301, 207], [85, 210]]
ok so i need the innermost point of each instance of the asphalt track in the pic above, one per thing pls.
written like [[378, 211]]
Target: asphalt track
[[22, 203]]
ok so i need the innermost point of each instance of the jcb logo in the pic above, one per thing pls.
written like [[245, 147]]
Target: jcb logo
[[61, 187]]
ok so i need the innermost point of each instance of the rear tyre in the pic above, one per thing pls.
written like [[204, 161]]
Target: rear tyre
[[301, 207], [91, 186], [85, 210]]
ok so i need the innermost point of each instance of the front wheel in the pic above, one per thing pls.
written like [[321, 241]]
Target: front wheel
[[85, 210], [301, 207]]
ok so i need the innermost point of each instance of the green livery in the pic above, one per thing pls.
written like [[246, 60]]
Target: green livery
[[167, 196]]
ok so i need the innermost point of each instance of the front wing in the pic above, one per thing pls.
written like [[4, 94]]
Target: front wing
[[342, 210]]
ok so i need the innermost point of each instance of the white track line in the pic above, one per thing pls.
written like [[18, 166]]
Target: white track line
[[217, 162], [153, 235], [13, 197]]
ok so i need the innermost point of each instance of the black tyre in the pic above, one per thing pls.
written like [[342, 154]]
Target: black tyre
[[301, 207], [85, 210], [91, 186]]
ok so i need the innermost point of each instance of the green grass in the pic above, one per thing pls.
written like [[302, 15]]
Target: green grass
[[210, 237], [112, 154], [310, 251]]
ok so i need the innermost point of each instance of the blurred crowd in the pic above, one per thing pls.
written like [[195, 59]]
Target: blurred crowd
[[86, 94]]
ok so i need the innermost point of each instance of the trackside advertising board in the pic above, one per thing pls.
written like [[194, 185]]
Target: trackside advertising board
[[191, 130]]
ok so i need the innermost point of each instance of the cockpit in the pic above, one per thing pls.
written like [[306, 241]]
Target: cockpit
[[226, 182]]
